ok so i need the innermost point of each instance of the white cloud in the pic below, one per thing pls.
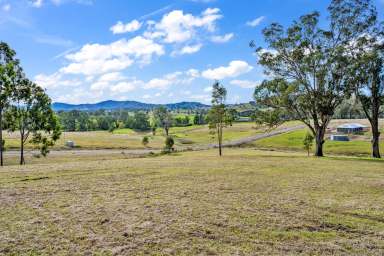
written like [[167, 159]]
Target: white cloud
[[193, 73], [120, 28], [222, 39], [208, 89], [6, 7], [93, 59], [97, 66], [177, 27], [246, 84], [157, 83], [255, 22], [126, 86], [54, 81], [234, 69], [37, 3], [105, 81], [175, 78], [188, 49]]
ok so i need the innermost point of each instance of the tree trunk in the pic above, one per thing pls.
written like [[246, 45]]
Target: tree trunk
[[22, 161], [1, 138], [320, 132], [219, 136], [375, 140], [166, 130]]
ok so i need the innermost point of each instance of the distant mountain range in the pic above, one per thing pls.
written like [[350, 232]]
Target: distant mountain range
[[128, 105]]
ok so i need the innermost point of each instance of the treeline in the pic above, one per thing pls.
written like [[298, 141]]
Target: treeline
[[24, 107], [76, 120]]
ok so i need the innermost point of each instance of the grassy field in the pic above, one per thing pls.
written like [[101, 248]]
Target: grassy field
[[294, 141], [195, 203], [130, 139]]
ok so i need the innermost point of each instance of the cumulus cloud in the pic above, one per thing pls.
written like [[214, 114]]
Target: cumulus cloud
[[105, 81], [188, 49], [246, 84], [175, 78], [255, 22], [177, 27], [54, 81], [234, 69], [93, 59], [222, 39], [126, 86], [120, 27]]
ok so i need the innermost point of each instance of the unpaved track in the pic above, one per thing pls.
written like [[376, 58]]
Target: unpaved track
[[143, 152]]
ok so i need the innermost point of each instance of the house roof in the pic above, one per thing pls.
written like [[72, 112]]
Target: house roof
[[351, 126]]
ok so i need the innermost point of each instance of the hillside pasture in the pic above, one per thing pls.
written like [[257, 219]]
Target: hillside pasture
[[359, 145], [194, 203]]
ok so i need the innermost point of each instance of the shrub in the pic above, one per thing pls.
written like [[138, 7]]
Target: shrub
[[169, 142], [145, 141]]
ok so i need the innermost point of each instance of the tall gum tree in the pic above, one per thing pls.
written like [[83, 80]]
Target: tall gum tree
[[370, 90], [310, 67], [9, 67]]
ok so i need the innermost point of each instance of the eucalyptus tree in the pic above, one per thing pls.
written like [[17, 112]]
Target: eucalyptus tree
[[163, 118], [9, 71], [31, 114], [309, 67], [219, 116], [370, 85]]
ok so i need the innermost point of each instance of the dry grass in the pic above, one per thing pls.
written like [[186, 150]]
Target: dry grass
[[245, 203]]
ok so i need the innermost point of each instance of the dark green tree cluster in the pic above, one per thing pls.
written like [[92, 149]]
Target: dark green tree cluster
[[313, 69], [76, 120], [24, 107]]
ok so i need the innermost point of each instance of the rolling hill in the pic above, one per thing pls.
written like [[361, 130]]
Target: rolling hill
[[129, 105]]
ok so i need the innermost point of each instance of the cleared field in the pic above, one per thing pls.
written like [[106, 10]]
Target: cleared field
[[130, 139], [294, 141], [195, 203], [126, 139], [359, 145]]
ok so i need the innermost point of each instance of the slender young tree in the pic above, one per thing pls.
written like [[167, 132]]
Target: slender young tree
[[307, 142], [219, 116], [8, 70], [310, 67], [31, 114], [163, 118]]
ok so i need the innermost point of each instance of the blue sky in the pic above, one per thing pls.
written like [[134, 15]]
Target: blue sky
[[85, 51]]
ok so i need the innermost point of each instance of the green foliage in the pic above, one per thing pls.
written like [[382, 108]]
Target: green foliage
[[145, 141], [219, 116], [271, 118], [308, 141], [311, 67], [10, 73], [163, 118], [169, 142], [31, 114]]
